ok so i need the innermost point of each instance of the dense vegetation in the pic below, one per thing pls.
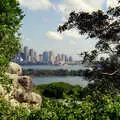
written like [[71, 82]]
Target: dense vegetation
[[10, 22], [59, 90], [92, 108]]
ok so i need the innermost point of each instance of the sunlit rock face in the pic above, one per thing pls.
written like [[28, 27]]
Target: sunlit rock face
[[14, 68], [20, 89]]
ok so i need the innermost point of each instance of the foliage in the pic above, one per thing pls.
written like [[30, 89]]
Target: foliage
[[58, 90], [106, 108], [97, 106], [10, 22], [103, 26], [8, 112], [6, 82]]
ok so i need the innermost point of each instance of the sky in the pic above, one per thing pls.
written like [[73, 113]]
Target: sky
[[42, 17]]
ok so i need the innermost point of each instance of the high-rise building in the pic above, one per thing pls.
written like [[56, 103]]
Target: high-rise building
[[51, 56], [31, 52], [26, 52], [70, 59], [34, 56], [31, 55], [63, 57], [45, 57], [52, 60], [30, 59], [35, 53], [58, 58], [66, 58], [40, 58]]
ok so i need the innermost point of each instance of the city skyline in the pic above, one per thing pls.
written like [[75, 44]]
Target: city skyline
[[42, 17], [41, 52], [30, 56]]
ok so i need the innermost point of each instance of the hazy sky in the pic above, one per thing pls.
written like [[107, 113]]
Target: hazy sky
[[42, 17]]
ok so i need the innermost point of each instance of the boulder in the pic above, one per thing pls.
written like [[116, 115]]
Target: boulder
[[14, 68], [21, 93], [31, 98], [26, 82], [35, 98]]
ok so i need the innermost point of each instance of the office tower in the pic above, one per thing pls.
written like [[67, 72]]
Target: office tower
[[66, 58], [35, 53], [30, 59], [45, 57], [63, 57], [70, 59], [52, 60], [40, 58], [26, 52], [58, 57], [51, 56], [35, 56], [31, 53]]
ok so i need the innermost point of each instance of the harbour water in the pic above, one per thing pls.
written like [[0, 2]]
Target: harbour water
[[53, 67], [68, 79]]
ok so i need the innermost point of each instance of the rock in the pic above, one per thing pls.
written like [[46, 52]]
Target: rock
[[14, 68], [26, 82], [21, 92], [14, 102], [31, 98], [36, 98]]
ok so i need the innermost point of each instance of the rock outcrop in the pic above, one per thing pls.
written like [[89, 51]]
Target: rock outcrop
[[14, 68], [20, 90]]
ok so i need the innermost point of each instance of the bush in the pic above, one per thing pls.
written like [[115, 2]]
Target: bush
[[96, 107], [10, 23], [55, 90], [7, 112], [106, 108]]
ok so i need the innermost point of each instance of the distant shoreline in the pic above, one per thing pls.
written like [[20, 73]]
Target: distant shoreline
[[47, 64], [59, 72]]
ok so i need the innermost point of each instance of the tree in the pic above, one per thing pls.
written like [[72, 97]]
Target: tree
[[10, 23], [100, 25]]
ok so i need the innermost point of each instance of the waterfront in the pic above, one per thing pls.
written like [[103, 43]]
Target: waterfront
[[53, 67], [68, 79]]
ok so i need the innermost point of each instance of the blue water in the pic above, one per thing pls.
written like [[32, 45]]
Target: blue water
[[69, 79], [52, 67]]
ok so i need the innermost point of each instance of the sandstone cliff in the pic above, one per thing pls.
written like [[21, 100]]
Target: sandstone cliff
[[20, 93]]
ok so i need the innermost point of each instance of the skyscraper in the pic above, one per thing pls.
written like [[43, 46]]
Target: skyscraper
[[31, 52], [45, 57], [70, 59], [26, 52], [66, 58], [50, 53], [58, 57], [63, 57], [40, 58]]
